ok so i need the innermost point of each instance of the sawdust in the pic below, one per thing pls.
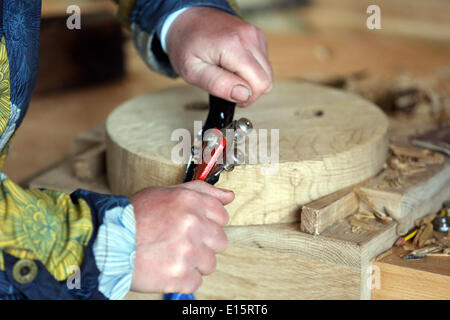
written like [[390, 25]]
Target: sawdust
[[381, 216], [428, 242], [405, 161]]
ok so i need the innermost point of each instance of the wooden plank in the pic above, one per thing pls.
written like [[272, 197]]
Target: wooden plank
[[319, 152], [89, 138], [416, 190], [429, 206], [427, 278], [249, 273], [61, 178], [318, 215], [90, 164]]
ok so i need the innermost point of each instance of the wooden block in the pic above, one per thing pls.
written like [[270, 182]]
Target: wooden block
[[431, 205], [416, 190], [90, 164], [328, 140], [427, 278], [60, 177], [279, 262], [318, 215], [89, 138]]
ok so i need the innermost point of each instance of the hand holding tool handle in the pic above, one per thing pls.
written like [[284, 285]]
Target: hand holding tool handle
[[221, 113]]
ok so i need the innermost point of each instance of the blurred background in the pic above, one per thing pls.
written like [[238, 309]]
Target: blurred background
[[84, 74]]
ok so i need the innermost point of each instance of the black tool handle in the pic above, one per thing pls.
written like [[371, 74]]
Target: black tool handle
[[221, 113]]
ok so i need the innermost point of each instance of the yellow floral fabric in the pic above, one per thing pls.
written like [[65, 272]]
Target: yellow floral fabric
[[5, 91], [38, 224]]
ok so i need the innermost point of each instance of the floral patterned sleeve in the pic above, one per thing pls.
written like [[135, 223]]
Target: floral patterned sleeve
[[53, 245]]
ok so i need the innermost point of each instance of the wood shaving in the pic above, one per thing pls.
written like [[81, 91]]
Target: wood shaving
[[427, 250], [445, 241], [435, 158], [392, 179], [355, 222], [409, 152], [438, 255], [430, 241], [365, 213], [425, 234], [427, 240], [383, 217], [416, 238], [425, 220], [384, 255], [406, 166]]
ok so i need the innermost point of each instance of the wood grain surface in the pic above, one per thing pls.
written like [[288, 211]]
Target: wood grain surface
[[416, 190], [328, 140], [427, 278], [318, 215]]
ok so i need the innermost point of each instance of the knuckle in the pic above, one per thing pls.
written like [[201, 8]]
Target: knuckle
[[262, 84], [185, 250], [233, 39], [223, 241], [177, 269], [222, 215], [211, 264], [249, 29], [188, 72], [185, 196], [220, 240], [188, 222], [218, 85]]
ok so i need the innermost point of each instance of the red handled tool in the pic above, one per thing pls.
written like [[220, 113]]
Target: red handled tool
[[217, 153]]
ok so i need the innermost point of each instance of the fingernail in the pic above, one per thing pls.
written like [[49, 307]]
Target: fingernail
[[241, 93]]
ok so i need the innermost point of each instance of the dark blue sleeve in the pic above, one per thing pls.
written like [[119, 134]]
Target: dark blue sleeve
[[147, 18]]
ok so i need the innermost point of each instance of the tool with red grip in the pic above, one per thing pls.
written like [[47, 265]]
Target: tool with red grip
[[217, 153]]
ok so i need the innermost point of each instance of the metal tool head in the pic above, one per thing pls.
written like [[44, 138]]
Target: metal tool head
[[441, 224]]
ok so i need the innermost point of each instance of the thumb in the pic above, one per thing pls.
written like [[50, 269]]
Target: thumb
[[223, 195], [220, 83]]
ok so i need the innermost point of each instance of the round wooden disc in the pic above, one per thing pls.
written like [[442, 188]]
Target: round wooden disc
[[328, 140]]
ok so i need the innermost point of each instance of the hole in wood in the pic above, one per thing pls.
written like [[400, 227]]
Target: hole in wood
[[196, 106], [318, 113]]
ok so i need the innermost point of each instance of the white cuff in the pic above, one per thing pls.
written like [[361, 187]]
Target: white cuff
[[115, 250], [167, 24]]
